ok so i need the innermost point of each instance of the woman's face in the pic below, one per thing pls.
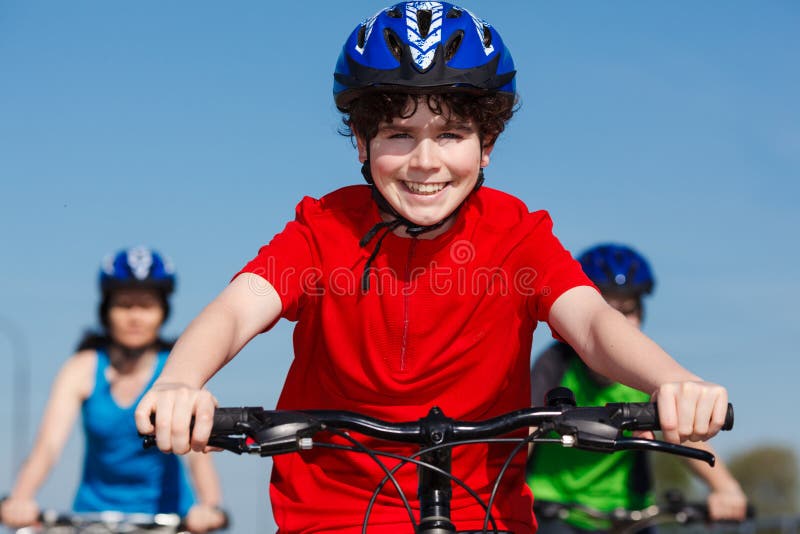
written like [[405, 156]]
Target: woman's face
[[135, 317]]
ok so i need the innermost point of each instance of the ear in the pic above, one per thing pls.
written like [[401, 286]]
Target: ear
[[485, 153], [361, 144]]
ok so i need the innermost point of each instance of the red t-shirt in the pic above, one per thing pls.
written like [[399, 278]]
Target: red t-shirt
[[446, 322]]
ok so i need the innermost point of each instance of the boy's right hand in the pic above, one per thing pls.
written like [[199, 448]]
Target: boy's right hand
[[18, 513], [174, 405]]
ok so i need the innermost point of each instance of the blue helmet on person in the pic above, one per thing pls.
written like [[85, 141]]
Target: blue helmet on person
[[617, 269], [416, 45], [135, 267]]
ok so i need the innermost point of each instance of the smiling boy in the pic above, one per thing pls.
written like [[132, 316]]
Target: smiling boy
[[452, 279]]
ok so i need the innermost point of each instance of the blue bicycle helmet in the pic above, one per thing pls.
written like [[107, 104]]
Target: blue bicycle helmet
[[617, 269], [417, 45], [136, 267]]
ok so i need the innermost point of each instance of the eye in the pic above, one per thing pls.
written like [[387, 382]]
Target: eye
[[451, 135]]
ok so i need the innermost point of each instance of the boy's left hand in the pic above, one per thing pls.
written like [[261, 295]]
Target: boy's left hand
[[692, 410]]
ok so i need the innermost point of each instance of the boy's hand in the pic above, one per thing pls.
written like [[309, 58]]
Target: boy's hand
[[174, 405], [17, 513], [693, 411], [728, 504]]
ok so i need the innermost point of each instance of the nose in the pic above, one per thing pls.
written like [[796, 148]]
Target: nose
[[425, 155], [136, 313]]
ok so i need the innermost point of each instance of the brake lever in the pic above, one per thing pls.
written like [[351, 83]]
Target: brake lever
[[663, 446], [586, 428], [232, 444]]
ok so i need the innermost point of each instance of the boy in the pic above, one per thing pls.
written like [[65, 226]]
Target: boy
[[608, 481], [422, 288]]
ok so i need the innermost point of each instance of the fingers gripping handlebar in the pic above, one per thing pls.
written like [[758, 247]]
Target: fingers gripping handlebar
[[646, 415], [255, 430]]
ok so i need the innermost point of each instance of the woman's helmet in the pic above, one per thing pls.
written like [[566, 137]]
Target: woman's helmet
[[136, 267], [617, 269], [417, 45]]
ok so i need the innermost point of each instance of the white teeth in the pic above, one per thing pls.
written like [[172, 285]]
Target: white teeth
[[424, 189]]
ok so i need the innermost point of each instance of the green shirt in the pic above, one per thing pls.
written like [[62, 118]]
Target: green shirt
[[597, 480]]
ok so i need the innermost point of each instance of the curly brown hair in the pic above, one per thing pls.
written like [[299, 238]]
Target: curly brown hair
[[490, 112]]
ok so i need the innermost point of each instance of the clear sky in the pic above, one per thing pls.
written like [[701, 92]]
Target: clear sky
[[196, 127]]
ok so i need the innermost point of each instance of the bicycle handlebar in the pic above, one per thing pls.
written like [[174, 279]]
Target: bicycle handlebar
[[671, 508], [56, 518], [255, 430]]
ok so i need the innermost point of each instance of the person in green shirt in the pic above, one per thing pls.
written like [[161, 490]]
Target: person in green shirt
[[605, 482]]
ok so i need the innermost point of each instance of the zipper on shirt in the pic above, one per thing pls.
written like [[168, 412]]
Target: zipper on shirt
[[406, 300]]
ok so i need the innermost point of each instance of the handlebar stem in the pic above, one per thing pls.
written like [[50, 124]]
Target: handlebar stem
[[434, 489]]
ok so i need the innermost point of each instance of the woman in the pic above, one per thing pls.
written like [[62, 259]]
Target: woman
[[104, 380]]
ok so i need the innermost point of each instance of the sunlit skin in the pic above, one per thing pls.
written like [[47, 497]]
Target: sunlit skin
[[427, 150], [135, 317]]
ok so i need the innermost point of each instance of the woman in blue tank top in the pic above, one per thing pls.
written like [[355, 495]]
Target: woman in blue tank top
[[105, 380]]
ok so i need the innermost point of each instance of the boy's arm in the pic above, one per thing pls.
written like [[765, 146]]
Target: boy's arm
[[726, 500], [689, 408], [247, 306]]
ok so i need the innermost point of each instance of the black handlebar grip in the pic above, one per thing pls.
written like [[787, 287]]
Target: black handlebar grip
[[645, 415], [226, 420], [728, 424]]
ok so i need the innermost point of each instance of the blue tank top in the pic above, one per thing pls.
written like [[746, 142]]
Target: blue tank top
[[118, 474]]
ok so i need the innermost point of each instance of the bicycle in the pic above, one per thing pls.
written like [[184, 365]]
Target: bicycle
[[254, 430], [109, 522], [672, 508]]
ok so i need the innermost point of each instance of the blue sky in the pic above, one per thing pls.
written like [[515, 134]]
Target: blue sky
[[196, 127]]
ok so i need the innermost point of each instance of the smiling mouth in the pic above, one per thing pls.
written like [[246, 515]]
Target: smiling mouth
[[424, 189]]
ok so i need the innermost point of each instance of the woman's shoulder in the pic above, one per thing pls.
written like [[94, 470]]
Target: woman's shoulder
[[79, 370]]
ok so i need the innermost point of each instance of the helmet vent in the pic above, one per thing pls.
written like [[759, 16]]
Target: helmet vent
[[362, 36], [394, 43], [487, 36], [452, 45], [453, 13], [395, 13], [424, 17]]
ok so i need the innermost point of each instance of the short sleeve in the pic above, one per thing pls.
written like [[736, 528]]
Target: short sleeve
[[554, 270], [289, 262]]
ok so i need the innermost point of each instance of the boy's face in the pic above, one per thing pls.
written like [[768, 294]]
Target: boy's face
[[425, 165]]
